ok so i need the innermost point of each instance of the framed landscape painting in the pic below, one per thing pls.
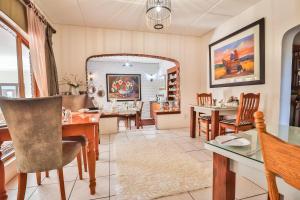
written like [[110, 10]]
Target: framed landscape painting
[[239, 58], [123, 87]]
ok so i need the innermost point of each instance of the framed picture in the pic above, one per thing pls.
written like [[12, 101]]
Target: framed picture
[[239, 58], [123, 87]]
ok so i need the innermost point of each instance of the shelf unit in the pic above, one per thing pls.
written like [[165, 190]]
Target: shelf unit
[[296, 69], [173, 87]]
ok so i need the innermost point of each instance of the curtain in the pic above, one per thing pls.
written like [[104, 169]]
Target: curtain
[[37, 36], [52, 80]]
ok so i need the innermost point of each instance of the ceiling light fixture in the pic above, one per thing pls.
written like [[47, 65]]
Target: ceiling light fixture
[[127, 63], [158, 14]]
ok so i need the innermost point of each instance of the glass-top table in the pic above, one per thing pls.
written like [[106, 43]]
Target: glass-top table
[[288, 134], [247, 161]]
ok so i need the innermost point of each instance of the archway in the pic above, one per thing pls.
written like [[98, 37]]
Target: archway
[[286, 72], [169, 66]]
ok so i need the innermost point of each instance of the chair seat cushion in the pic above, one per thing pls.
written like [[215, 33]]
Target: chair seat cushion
[[205, 117], [78, 138], [70, 151], [208, 117], [232, 122]]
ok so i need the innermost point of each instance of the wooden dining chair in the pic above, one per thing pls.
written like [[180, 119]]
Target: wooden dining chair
[[35, 126], [138, 120], [280, 158], [202, 100], [244, 120], [75, 103]]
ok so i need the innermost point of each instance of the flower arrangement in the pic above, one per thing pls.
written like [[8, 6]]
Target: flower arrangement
[[123, 87], [73, 82]]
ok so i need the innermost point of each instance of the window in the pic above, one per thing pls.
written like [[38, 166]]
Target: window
[[15, 70], [16, 79]]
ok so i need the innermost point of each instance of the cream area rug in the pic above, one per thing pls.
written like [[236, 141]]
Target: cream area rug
[[148, 169]]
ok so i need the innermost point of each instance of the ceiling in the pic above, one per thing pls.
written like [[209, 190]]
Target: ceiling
[[132, 59], [189, 17]]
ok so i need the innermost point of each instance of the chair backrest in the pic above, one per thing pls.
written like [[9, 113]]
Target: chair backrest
[[36, 130], [280, 158], [75, 102], [204, 99], [248, 106], [139, 112], [141, 107]]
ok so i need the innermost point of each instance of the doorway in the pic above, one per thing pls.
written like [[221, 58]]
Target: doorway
[[295, 84], [152, 81]]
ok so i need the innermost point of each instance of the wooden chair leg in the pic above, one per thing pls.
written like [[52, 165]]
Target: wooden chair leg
[[84, 158], [61, 183], [221, 130], [129, 123], [38, 178], [137, 122], [47, 174], [207, 131], [199, 122], [141, 123], [22, 181], [236, 131], [79, 165]]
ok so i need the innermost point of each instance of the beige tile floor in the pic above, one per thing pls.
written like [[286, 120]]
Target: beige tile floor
[[105, 171]]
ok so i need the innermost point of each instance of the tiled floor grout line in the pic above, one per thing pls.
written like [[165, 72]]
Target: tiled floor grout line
[[191, 195], [253, 196], [257, 185], [72, 187], [36, 187]]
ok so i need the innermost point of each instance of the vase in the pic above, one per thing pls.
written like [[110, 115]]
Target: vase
[[73, 90]]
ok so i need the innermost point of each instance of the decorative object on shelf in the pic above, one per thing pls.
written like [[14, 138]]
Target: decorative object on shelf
[[91, 89], [123, 87], [127, 63], [239, 58], [233, 101], [158, 14], [151, 77], [100, 95], [173, 88], [73, 82], [101, 92], [91, 76]]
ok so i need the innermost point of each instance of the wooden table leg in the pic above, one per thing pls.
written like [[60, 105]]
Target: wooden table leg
[[192, 123], [3, 194], [223, 179], [214, 124], [97, 141], [91, 154]]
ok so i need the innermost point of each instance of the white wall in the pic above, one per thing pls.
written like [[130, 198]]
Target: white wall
[[148, 89], [9, 77], [73, 44], [280, 16]]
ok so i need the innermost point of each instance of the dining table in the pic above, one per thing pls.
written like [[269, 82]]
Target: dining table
[[79, 124], [247, 161], [215, 112]]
